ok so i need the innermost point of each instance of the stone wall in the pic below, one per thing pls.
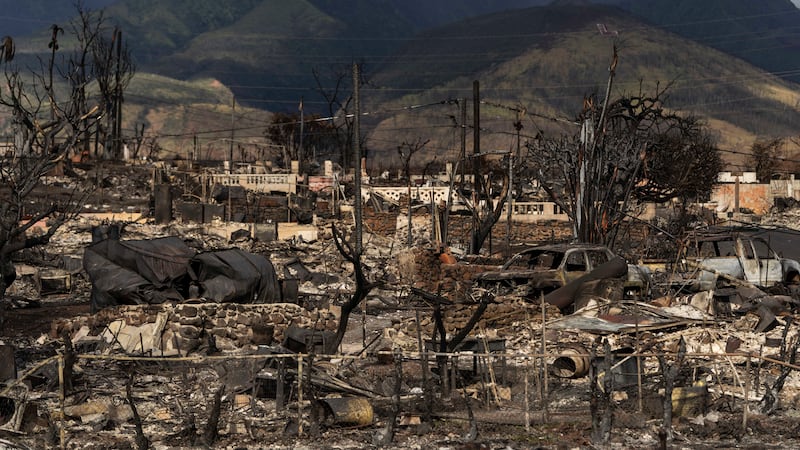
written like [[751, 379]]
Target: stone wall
[[385, 224], [174, 330], [424, 268], [380, 223]]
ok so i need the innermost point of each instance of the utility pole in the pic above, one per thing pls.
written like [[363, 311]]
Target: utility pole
[[233, 125], [357, 157], [301, 150], [476, 165], [230, 158], [463, 103], [476, 135], [118, 89], [518, 127], [509, 199]]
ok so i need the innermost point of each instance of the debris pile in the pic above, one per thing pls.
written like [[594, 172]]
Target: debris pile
[[181, 329], [203, 338]]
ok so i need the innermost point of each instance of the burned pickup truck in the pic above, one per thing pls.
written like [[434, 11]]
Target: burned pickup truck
[[544, 269], [727, 257]]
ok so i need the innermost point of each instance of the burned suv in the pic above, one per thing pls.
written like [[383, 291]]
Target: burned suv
[[546, 268], [732, 256]]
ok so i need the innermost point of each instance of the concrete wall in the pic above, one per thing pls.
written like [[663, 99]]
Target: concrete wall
[[785, 188], [755, 197], [273, 182]]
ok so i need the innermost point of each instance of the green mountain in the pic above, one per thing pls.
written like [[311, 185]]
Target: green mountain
[[417, 57], [547, 60], [763, 33], [273, 52]]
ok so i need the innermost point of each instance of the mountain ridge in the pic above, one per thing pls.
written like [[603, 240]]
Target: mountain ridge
[[270, 54]]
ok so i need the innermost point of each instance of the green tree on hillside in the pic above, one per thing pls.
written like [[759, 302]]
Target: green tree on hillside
[[765, 156]]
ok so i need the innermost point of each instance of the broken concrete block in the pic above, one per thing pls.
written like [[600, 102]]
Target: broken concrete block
[[211, 212], [190, 212], [187, 311], [163, 203], [91, 411], [53, 281], [265, 232], [193, 321], [263, 334], [689, 401], [240, 235]]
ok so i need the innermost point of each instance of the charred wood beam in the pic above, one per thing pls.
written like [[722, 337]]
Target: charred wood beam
[[485, 301], [670, 373], [142, 443], [211, 431], [363, 286], [440, 338], [788, 353], [69, 362], [600, 403]]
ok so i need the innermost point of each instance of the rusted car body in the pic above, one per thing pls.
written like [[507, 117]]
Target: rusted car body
[[544, 269]]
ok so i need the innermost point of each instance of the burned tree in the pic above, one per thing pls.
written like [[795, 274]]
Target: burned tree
[[49, 114], [627, 149], [486, 208], [316, 135], [112, 68], [681, 162], [336, 87], [406, 151], [352, 249], [765, 156]]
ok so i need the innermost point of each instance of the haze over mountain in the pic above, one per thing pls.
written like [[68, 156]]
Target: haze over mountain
[[763, 33], [272, 53], [550, 71]]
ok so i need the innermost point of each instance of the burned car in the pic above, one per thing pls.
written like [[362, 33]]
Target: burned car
[[543, 269], [730, 256]]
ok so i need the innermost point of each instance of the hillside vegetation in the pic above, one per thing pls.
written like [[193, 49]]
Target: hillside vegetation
[[546, 60], [419, 57], [763, 33]]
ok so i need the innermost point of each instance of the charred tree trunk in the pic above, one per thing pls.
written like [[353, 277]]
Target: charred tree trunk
[[600, 403], [670, 373], [212, 427], [363, 286], [142, 443], [484, 224]]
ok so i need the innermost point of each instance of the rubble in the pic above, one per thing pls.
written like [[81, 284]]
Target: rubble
[[170, 330], [179, 361]]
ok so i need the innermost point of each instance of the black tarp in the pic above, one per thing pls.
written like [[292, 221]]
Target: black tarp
[[167, 270], [236, 276]]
